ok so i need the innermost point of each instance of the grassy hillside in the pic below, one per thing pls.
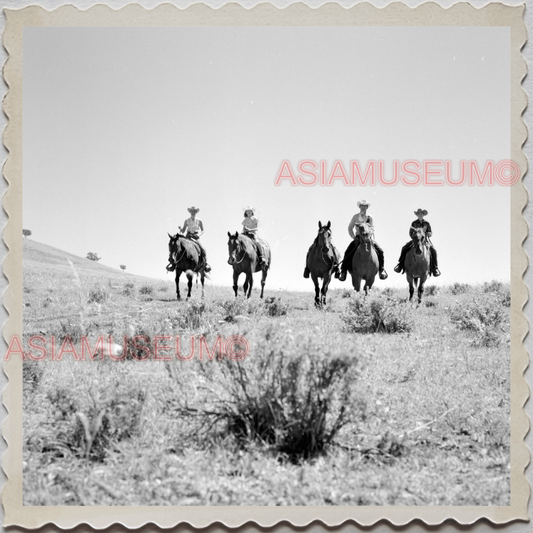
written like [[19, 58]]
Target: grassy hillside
[[37, 255], [370, 401]]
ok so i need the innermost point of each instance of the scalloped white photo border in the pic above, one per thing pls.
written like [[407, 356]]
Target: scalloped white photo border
[[428, 14]]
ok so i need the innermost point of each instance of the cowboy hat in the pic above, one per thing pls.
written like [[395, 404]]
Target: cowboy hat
[[363, 202], [249, 208], [422, 212], [193, 210]]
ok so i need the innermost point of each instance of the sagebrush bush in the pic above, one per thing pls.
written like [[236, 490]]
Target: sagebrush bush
[[146, 289], [378, 314], [431, 290], [97, 295], [291, 394], [276, 306], [483, 316], [459, 288], [241, 307]]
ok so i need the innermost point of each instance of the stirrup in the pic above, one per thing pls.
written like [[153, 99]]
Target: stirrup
[[343, 275], [398, 268], [171, 267], [306, 273], [383, 274], [436, 273]]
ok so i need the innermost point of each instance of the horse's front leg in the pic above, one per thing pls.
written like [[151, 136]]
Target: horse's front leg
[[178, 274], [249, 283], [264, 274], [235, 282], [421, 289], [411, 288], [202, 280], [325, 285], [189, 284], [314, 277]]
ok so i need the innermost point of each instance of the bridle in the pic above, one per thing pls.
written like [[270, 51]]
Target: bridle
[[236, 248]]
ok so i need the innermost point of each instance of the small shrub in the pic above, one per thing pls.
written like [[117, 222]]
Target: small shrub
[[97, 295], [431, 290], [378, 313], [292, 394], [492, 286], [346, 293], [459, 288], [89, 421], [241, 307], [32, 372], [146, 289], [276, 307], [483, 316]]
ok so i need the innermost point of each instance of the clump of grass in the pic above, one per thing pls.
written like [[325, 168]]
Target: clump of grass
[[193, 316], [128, 290], [276, 306], [70, 329], [294, 395], [431, 290], [241, 307], [90, 421], [378, 314], [32, 372], [97, 295], [492, 286], [459, 288], [146, 289], [483, 316]]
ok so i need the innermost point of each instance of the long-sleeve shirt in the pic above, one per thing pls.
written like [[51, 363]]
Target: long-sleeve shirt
[[417, 224]]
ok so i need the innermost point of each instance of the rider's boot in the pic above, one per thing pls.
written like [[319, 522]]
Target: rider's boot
[[306, 273]]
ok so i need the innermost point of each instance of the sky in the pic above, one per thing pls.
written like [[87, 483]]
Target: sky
[[124, 128]]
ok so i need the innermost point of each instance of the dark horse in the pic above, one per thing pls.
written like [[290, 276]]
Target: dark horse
[[184, 256], [365, 264], [322, 261], [417, 263], [243, 258]]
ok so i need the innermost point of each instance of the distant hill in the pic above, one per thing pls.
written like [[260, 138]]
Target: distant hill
[[36, 255]]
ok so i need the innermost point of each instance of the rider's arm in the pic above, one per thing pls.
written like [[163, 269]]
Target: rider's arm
[[428, 230], [201, 226]]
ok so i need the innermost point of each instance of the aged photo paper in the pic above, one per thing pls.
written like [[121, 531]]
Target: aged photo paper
[[148, 144]]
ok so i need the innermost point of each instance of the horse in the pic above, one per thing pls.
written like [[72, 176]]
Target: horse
[[184, 256], [243, 259], [322, 260], [417, 262], [365, 264]]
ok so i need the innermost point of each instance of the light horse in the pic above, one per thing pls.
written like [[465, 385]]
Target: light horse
[[184, 256], [417, 263], [322, 261], [243, 259], [365, 264]]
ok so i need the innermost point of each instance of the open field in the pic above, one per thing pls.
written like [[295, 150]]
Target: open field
[[367, 402]]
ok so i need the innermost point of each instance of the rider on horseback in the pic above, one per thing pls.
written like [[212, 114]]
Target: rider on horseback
[[357, 219], [193, 229], [419, 223], [249, 228]]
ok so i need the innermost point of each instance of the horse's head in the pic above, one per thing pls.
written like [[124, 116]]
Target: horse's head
[[233, 246], [172, 246], [324, 236], [365, 232], [419, 239]]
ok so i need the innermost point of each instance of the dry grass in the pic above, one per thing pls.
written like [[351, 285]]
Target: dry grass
[[428, 423]]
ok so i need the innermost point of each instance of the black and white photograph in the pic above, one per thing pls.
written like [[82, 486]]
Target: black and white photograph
[[270, 264]]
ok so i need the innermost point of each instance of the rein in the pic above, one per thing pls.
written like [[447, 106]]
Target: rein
[[242, 258]]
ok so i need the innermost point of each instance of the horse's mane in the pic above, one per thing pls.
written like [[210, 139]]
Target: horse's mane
[[188, 245], [246, 244]]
